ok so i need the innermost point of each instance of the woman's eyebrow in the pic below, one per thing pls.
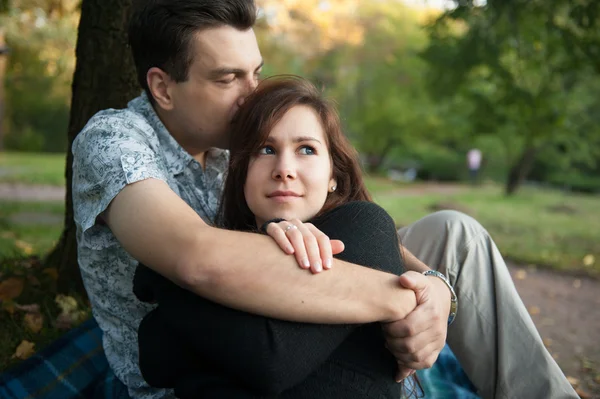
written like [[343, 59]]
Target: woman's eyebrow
[[297, 139]]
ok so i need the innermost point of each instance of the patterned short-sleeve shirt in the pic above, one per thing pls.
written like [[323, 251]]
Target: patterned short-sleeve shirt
[[116, 148]]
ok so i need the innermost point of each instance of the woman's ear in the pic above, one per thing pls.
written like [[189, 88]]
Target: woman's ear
[[332, 185]]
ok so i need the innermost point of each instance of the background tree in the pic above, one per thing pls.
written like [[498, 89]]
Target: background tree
[[512, 61], [104, 78]]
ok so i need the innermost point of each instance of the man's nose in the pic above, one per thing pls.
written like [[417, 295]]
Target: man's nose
[[248, 89]]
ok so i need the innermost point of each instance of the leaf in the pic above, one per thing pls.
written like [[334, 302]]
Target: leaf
[[11, 288], [24, 350], [24, 246], [34, 322], [533, 310], [33, 308], [9, 307], [583, 394], [33, 280], [573, 381], [51, 272], [547, 342], [521, 274], [67, 304], [589, 260]]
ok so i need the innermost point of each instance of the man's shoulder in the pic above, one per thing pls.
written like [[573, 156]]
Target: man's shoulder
[[129, 123]]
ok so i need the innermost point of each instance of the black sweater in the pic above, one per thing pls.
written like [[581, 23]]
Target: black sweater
[[205, 350]]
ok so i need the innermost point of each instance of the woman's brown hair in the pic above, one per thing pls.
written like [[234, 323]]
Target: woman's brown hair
[[255, 120]]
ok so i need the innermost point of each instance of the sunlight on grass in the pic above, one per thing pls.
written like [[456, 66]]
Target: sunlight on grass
[[32, 168], [543, 227]]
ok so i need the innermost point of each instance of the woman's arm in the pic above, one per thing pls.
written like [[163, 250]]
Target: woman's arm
[[278, 354]]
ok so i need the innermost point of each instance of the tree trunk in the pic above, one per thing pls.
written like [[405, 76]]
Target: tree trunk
[[104, 78], [519, 171]]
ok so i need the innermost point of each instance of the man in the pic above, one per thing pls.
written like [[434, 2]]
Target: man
[[146, 184]]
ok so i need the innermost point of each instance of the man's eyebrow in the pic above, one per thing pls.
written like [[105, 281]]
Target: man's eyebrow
[[216, 73], [298, 139]]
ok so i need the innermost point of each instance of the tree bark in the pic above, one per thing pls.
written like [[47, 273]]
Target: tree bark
[[104, 78], [519, 171]]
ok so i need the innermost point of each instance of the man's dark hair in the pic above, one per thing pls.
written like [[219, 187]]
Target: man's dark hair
[[161, 31]]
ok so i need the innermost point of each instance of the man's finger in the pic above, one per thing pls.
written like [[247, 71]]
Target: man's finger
[[403, 372]]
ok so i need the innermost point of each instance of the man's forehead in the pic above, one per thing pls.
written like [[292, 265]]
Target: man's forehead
[[227, 47]]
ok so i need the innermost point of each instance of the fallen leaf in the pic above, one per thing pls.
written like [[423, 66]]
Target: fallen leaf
[[547, 342], [9, 307], [64, 321], [577, 283], [67, 304], [573, 381], [597, 379], [24, 350], [34, 322], [533, 310], [521, 274], [583, 394], [11, 288], [24, 246], [51, 272], [8, 235], [589, 260], [33, 280], [33, 308]]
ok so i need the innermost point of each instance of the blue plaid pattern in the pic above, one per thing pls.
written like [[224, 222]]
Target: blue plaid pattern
[[74, 366]]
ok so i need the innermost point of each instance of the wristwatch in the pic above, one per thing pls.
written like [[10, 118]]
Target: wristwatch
[[453, 297]]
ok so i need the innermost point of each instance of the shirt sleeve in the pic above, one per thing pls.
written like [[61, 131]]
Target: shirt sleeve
[[279, 354], [107, 155]]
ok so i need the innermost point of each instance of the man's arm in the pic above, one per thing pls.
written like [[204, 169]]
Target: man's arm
[[238, 269]]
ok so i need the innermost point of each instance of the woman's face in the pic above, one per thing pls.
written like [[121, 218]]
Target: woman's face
[[290, 176]]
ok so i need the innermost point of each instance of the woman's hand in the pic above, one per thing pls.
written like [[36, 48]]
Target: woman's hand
[[312, 248]]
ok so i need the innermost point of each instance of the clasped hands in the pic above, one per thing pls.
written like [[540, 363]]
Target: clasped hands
[[416, 340]]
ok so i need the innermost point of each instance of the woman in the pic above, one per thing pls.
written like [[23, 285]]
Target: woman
[[290, 163]]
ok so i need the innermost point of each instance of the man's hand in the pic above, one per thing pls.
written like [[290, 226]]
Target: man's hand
[[417, 340]]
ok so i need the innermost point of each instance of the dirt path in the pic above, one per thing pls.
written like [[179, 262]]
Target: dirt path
[[22, 192], [565, 311]]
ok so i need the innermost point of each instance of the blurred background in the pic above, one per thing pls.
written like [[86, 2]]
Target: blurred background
[[490, 108]]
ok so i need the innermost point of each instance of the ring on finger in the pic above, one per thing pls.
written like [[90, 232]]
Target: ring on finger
[[290, 227]]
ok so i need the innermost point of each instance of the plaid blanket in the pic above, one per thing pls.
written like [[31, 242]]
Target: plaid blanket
[[74, 366]]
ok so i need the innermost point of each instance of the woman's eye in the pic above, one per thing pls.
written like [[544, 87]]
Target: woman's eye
[[307, 150], [266, 150]]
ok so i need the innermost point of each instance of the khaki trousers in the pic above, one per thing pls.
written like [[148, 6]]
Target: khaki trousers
[[493, 335]]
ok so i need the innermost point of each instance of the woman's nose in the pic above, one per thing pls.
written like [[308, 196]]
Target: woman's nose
[[284, 170]]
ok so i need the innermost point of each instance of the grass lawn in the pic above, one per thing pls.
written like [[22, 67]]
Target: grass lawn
[[32, 168], [542, 227]]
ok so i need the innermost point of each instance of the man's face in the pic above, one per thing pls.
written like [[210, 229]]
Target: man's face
[[225, 69]]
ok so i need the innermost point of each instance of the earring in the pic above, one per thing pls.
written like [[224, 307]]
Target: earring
[[333, 187]]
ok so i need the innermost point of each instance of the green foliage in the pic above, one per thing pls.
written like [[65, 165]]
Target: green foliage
[[510, 61], [38, 77]]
